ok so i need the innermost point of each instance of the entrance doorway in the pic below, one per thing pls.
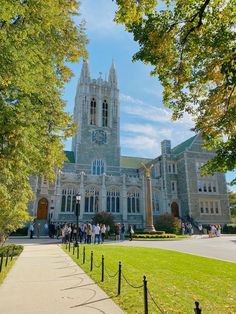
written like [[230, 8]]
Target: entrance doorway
[[42, 212], [175, 209]]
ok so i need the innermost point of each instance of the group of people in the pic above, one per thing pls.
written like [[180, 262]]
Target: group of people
[[86, 233], [214, 231], [187, 228]]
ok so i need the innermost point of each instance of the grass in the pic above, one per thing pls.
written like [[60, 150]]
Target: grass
[[175, 280], [5, 269]]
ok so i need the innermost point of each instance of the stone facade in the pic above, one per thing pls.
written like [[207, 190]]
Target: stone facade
[[109, 182]]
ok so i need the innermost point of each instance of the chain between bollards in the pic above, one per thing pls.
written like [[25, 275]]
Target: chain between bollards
[[91, 261], [102, 268], [78, 252], [84, 255], [119, 279], [145, 295]]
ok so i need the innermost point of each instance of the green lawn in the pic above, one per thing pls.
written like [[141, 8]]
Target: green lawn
[[175, 280], [5, 270]]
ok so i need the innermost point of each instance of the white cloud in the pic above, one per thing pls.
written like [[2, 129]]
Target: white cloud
[[99, 15], [138, 108], [152, 131], [142, 145]]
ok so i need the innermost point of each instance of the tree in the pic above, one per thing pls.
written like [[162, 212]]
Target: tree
[[232, 204], [191, 45], [38, 39], [167, 223], [104, 218]]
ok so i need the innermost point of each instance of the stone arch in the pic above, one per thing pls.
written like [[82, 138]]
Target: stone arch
[[42, 211], [175, 209]]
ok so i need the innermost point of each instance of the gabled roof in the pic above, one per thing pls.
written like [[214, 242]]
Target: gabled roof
[[183, 146], [70, 157], [132, 162]]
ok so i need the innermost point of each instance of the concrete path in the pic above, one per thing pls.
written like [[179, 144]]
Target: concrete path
[[223, 248], [45, 280]]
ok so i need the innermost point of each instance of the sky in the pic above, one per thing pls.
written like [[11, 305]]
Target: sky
[[145, 122]]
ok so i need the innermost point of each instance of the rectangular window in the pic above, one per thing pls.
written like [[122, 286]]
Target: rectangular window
[[211, 208], [201, 207], [206, 207], [173, 186], [169, 168], [174, 168]]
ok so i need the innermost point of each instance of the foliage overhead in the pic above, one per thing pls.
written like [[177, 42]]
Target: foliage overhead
[[192, 48], [38, 40]]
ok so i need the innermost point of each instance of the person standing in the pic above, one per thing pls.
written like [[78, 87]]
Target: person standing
[[103, 232], [122, 232], [131, 232], [46, 228], [97, 234], [31, 230], [117, 232], [38, 230]]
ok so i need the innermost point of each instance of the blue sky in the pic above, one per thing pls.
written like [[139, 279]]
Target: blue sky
[[145, 122]]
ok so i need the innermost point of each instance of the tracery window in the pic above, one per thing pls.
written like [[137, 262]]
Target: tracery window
[[113, 200], [93, 112], [91, 200], [105, 113], [68, 200], [133, 202], [98, 167], [155, 202]]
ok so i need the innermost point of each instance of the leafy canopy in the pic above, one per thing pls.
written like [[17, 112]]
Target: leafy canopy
[[38, 40], [191, 45]]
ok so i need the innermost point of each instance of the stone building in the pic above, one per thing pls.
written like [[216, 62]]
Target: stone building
[[109, 182]]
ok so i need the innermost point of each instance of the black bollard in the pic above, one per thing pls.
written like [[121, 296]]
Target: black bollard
[[145, 295], [66, 245], [119, 279], [91, 261], [1, 262], [69, 246], [7, 258], [84, 255], [12, 253], [78, 252], [197, 310], [102, 268], [73, 250]]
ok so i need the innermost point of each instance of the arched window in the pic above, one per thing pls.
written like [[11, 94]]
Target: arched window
[[93, 112], [98, 167], [155, 202], [113, 200], [68, 200], [91, 200], [105, 113], [133, 203]]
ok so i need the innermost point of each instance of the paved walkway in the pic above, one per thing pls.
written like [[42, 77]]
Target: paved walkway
[[45, 280]]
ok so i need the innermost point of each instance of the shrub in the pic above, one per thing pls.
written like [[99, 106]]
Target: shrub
[[168, 223], [9, 247], [154, 236], [139, 231], [20, 232], [230, 228]]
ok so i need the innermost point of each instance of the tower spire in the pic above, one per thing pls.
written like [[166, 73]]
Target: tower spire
[[85, 74], [112, 78]]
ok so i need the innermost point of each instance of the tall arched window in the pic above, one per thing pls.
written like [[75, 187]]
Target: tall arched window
[[91, 200], [105, 113], [98, 167], [68, 200], [93, 112], [155, 202], [133, 203], [113, 200]]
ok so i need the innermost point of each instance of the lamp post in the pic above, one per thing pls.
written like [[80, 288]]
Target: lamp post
[[77, 210]]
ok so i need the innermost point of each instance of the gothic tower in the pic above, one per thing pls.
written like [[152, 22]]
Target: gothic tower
[[96, 144]]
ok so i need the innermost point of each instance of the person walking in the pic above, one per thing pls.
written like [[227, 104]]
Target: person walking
[[122, 232], [103, 232], [38, 230], [97, 234]]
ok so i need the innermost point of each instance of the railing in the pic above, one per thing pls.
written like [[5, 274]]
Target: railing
[[147, 296]]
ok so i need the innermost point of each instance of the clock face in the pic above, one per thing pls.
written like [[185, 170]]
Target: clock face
[[99, 137]]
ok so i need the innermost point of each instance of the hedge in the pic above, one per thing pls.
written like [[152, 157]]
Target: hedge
[[230, 228], [9, 247], [154, 236]]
